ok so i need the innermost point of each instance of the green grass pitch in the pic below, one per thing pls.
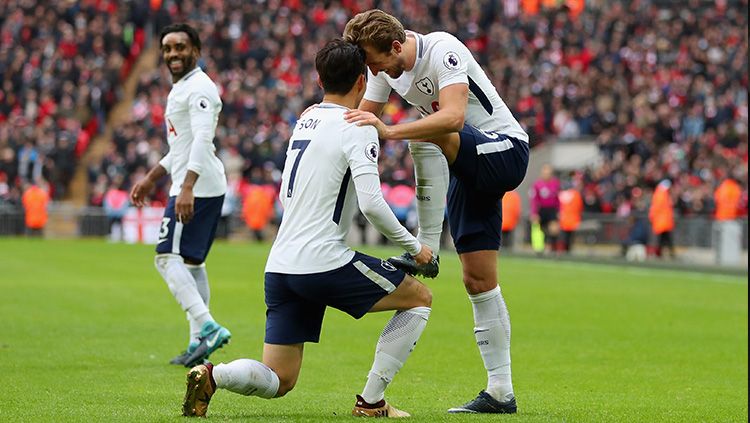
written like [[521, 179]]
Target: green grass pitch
[[88, 328]]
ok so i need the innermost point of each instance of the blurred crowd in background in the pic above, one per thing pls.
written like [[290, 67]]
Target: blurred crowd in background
[[62, 65], [659, 86]]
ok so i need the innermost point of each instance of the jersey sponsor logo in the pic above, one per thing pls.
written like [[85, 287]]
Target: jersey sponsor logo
[[426, 86], [387, 266], [451, 60], [371, 151], [170, 128]]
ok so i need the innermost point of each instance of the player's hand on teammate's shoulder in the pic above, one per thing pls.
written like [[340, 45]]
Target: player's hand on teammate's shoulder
[[424, 256], [361, 118]]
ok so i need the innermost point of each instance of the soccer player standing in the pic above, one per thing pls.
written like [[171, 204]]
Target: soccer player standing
[[465, 122], [331, 166], [197, 193]]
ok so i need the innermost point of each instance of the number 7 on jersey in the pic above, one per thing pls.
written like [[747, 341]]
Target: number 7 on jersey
[[300, 145]]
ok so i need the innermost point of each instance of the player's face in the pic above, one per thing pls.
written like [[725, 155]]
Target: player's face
[[391, 62], [179, 54]]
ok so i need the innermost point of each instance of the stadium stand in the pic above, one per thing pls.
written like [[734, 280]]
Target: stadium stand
[[61, 65], [661, 88]]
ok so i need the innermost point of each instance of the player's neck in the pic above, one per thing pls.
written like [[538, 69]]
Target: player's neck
[[348, 100]]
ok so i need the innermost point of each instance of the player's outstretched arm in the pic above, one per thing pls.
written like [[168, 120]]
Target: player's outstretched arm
[[447, 119], [376, 210]]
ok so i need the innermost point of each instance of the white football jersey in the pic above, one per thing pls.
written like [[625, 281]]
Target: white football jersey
[[325, 153], [193, 107], [443, 60]]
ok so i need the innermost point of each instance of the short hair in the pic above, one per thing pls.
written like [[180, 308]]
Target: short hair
[[339, 64], [374, 28], [195, 39]]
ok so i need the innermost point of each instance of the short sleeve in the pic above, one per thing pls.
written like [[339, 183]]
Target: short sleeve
[[378, 89], [204, 100], [451, 59], [361, 148]]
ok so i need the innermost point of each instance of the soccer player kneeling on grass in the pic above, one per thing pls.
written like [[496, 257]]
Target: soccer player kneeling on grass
[[331, 166]]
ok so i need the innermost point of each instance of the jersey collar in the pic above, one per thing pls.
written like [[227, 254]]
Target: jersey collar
[[189, 74]]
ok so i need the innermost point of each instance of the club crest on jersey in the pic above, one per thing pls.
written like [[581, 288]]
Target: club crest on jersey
[[387, 266], [202, 103], [451, 60], [371, 151], [426, 86]]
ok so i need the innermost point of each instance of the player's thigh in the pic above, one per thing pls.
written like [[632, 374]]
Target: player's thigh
[[290, 318], [475, 217], [285, 361], [449, 144], [409, 294], [353, 288], [479, 270], [490, 162]]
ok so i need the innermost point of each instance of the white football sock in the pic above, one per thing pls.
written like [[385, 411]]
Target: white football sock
[[201, 283], [432, 178], [195, 330], [492, 331], [201, 280], [247, 377], [182, 285], [394, 346]]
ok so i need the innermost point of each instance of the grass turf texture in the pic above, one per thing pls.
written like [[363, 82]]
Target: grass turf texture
[[88, 328]]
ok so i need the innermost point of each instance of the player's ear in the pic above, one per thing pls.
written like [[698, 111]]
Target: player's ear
[[320, 83], [396, 46]]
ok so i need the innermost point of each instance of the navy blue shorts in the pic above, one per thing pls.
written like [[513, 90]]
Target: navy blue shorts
[[487, 166], [296, 303], [191, 241]]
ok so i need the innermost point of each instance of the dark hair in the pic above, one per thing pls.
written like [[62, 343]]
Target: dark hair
[[182, 27], [339, 64]]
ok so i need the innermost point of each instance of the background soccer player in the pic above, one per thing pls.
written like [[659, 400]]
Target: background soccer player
[[197, 192], [331, 166], [488, 153]]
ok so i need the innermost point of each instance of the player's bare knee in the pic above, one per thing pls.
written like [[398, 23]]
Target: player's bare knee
[[425, 296], [475, 284], [420, 294], [285, 385]]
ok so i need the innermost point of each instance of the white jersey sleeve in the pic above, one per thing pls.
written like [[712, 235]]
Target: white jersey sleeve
[[362, 148], [166, 162], [204, 106], [450, 59], [378, 89]]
